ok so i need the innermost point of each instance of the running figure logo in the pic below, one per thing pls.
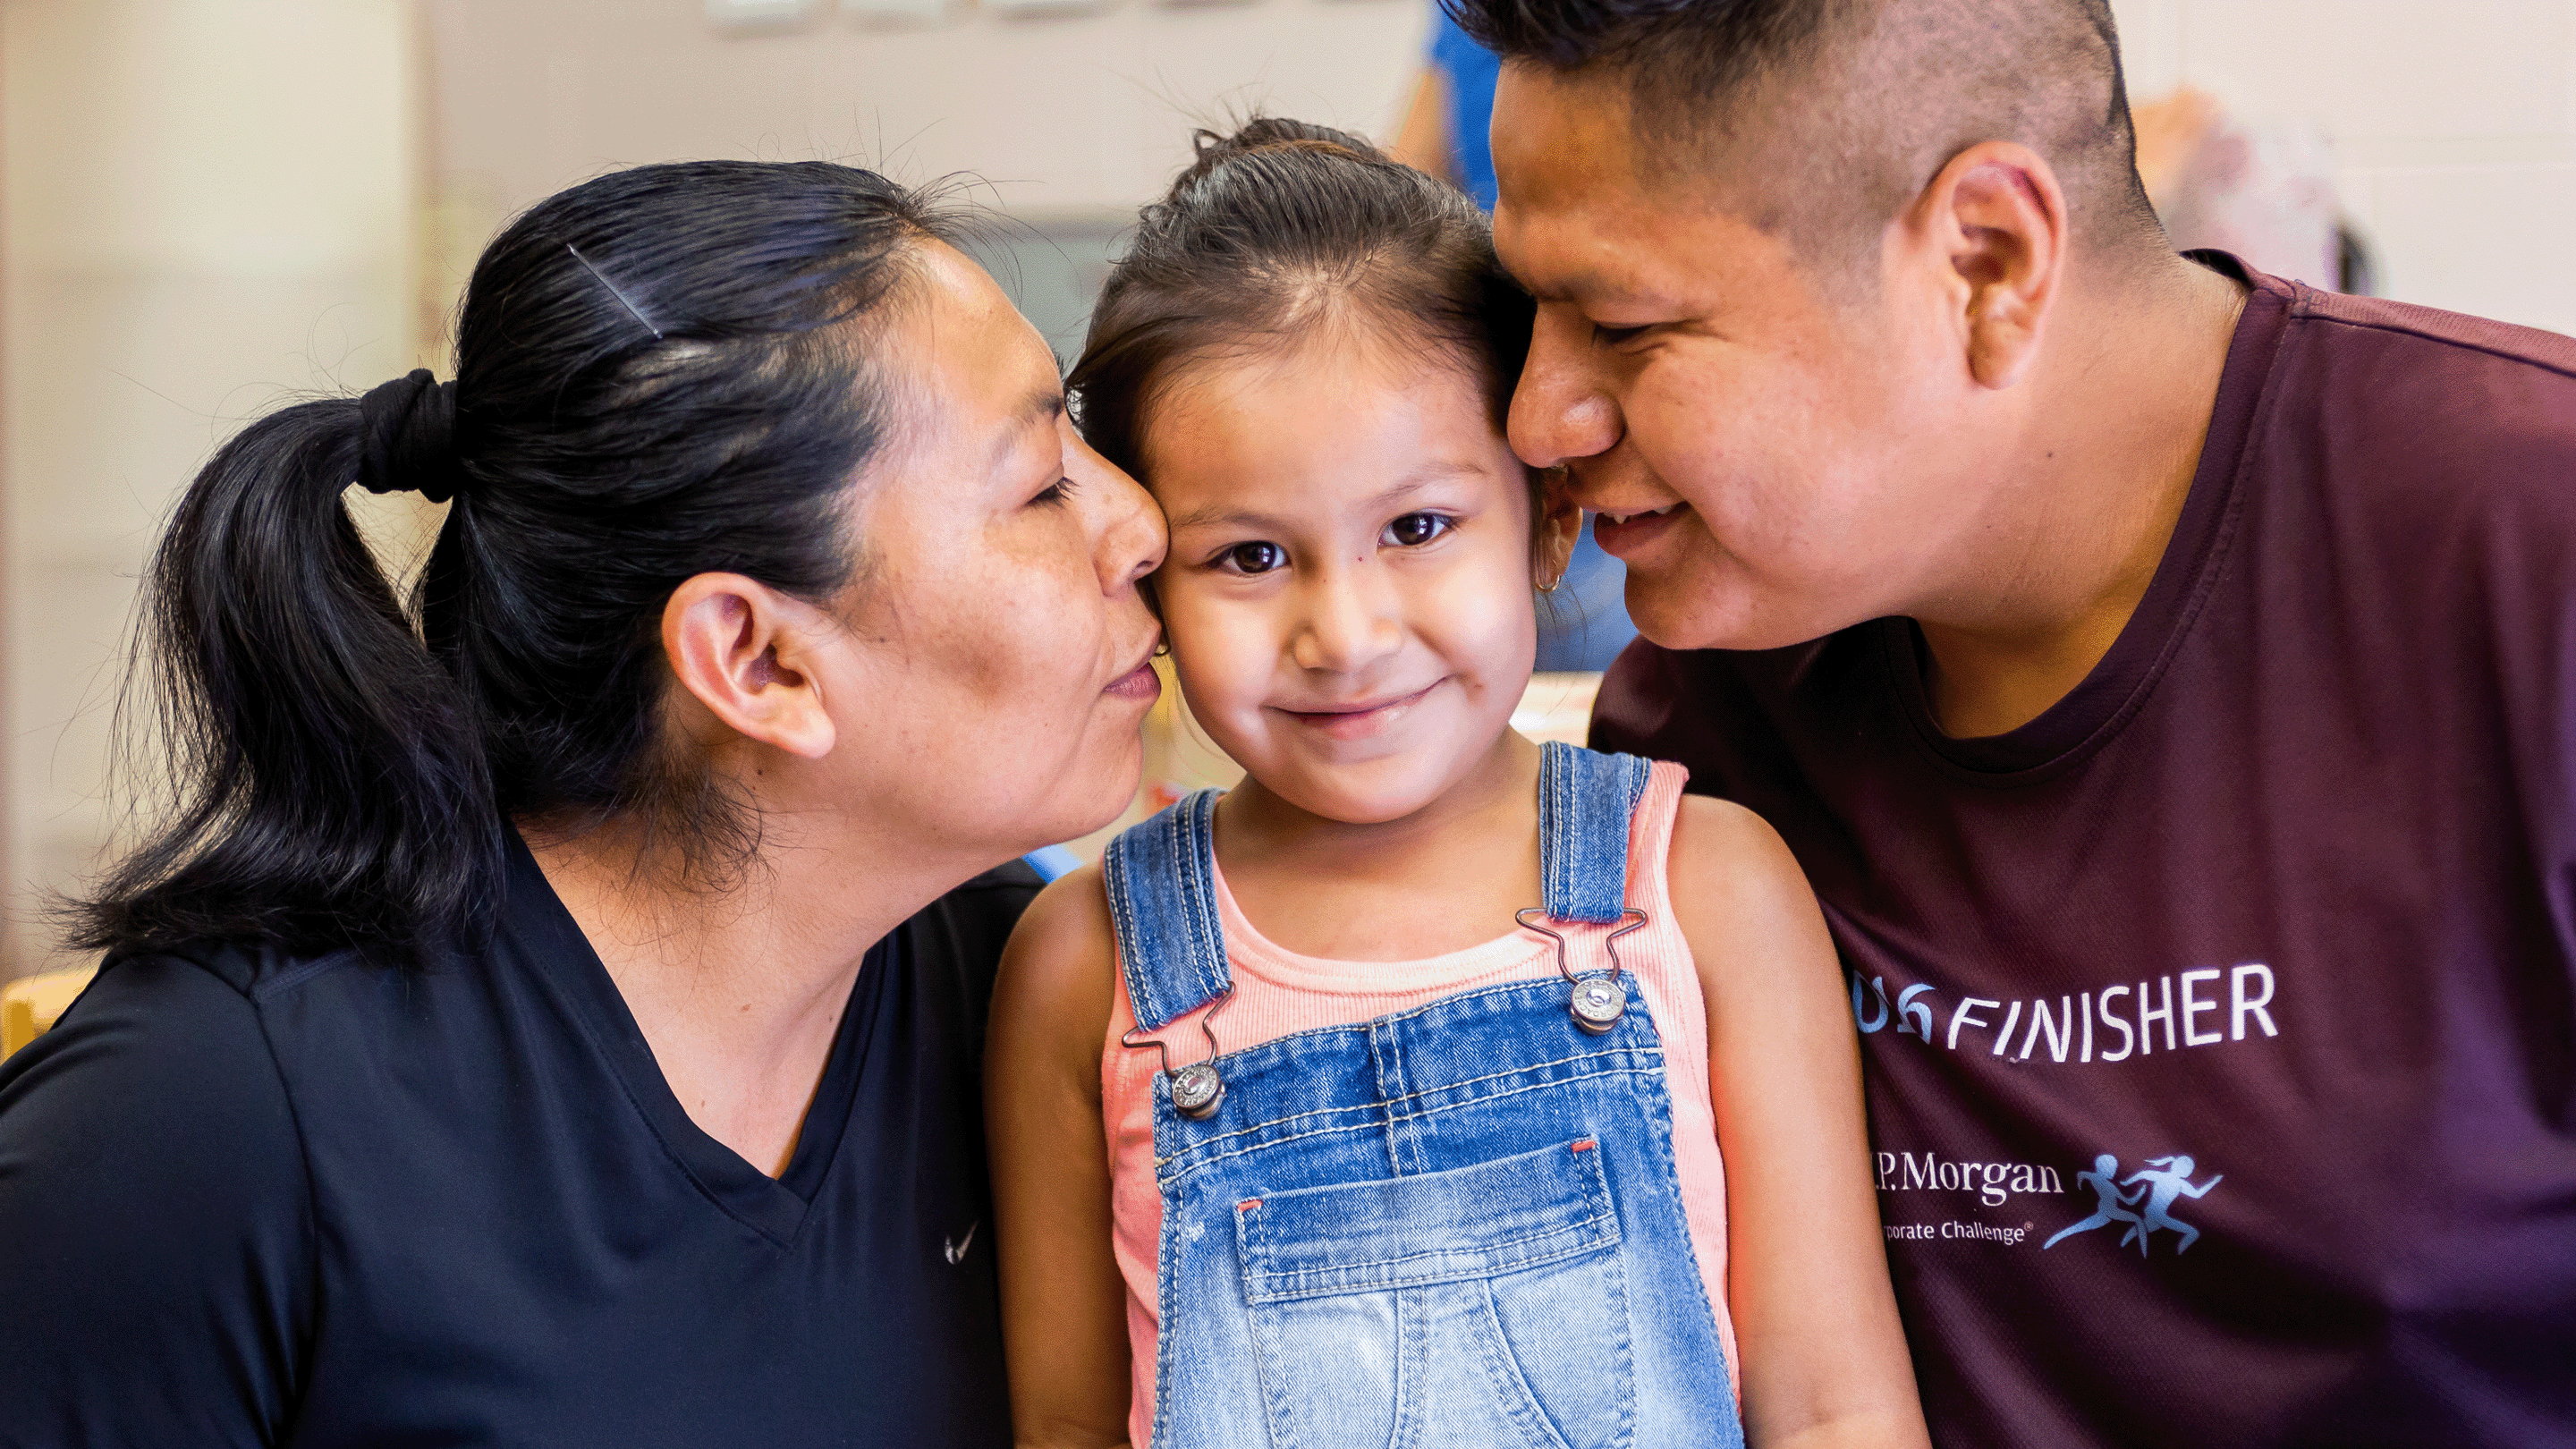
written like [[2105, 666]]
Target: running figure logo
[[2161, 1181]]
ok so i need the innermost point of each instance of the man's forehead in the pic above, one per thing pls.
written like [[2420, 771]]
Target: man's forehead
[[1561, 140]]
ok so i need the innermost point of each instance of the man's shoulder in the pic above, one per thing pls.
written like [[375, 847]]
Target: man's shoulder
[[2407, 392], [2405, 439], [1703, 707], [2429, 335]]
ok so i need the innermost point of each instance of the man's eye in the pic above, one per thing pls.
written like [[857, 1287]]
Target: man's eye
[[1415, 529], [1252, 558], [1609, 336]]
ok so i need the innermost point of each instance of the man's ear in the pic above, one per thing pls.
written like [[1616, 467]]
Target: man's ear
[[1996, 218], [745, 652], [1556, 528]]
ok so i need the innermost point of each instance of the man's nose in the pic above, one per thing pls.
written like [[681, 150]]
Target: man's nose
[[1561, 411]]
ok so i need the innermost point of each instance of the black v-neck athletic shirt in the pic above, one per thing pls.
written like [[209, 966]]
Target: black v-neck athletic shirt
[[2219, 1025], [254, 1199]]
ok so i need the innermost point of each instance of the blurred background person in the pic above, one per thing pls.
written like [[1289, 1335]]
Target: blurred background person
[[2264, 191]]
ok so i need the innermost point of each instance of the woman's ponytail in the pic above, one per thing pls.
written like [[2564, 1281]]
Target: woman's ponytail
[[662, 372], [329, 784]]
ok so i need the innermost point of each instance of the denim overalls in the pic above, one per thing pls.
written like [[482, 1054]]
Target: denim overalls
[[1454, 1227]]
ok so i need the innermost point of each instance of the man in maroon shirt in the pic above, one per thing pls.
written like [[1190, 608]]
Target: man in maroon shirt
[[2166, 674]]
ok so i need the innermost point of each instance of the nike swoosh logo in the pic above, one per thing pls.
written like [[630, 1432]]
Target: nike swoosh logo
[[957, 1250]]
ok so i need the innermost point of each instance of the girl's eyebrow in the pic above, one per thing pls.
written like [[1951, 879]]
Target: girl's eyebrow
[[1423, 476], [1216, 514], [1436, 470]]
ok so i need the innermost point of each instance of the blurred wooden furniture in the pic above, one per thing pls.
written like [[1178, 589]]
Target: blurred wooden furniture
[[29, 1005]]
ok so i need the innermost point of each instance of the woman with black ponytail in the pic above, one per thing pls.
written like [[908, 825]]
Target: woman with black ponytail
[[551, 1013]]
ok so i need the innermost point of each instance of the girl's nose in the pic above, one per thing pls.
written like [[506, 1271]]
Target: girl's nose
[[1347, 625]]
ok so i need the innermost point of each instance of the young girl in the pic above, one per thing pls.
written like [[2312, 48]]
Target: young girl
[[1432, 1087]]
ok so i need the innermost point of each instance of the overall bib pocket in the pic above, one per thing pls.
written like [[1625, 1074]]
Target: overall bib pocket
[[1483, 1305]]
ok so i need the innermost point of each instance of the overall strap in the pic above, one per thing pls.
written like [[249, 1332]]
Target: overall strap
[[1584, 801], [1161, 880]]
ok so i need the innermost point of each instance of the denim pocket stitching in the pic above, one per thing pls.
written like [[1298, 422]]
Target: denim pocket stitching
[[1494, 1260], [1598, 1230]]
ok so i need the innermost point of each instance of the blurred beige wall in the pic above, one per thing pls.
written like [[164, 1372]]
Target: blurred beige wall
[[2452, 127], [203, 204], [1072, 114]]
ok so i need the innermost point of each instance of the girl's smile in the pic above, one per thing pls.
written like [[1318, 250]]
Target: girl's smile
[[1360, 720]]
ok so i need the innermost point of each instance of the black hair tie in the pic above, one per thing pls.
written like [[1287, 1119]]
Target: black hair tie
[[406, 436]]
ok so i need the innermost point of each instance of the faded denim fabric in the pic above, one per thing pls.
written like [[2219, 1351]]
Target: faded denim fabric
[[1454, 1227]]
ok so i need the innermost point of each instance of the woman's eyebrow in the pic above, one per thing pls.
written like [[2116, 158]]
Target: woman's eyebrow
[[1038, 410]]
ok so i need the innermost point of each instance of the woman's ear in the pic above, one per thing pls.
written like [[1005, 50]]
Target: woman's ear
[[746, 652], [1556, 528]]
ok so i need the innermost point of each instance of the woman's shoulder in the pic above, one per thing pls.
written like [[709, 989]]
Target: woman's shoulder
[[166, 1052], [963, 932], [154, 1208]]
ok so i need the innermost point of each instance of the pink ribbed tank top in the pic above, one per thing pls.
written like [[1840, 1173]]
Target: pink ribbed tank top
[[1277, 992]]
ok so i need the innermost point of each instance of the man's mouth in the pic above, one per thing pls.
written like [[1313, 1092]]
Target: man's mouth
[[1622, 535]]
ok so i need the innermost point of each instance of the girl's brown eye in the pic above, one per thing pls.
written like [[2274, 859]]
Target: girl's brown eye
[[1253, 558], [1416, 529]]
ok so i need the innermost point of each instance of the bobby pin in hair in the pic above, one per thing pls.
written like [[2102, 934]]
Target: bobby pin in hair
[[622, 299]]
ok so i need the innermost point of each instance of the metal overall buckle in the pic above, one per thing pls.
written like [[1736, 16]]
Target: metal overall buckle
[[1198, 1087], [1598, 1001]]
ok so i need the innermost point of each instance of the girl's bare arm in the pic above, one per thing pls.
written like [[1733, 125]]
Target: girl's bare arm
[[1825, 1361], [1063, 1305]]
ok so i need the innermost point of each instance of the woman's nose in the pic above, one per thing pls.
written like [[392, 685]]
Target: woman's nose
[[1347, 624], [1132, 537], [1561, 409]]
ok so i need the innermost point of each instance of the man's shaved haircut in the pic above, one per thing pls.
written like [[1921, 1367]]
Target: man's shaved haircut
[[1825, 118]]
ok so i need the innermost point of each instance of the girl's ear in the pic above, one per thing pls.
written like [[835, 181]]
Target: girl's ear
[[1558, 524], [747, 654]]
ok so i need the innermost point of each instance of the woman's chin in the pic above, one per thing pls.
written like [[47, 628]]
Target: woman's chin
[[1095, 797]]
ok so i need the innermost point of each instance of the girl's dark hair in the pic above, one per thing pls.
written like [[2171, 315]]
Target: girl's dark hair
[[1279, 229], [653, 381]]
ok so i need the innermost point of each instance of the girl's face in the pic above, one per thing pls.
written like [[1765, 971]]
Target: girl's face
[[1348, 592]]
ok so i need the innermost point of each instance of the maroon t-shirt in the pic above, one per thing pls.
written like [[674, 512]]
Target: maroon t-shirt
[[2220, 1024]]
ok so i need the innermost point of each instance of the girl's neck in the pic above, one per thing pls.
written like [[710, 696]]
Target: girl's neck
[[1443, 878]]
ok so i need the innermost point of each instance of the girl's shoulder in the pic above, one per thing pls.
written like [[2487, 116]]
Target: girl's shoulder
[[1059, 972], [1712, 833], [1070, 915], [1733, 880]]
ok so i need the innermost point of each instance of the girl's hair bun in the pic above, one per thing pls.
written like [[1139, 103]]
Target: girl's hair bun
[[1212, 153], [1275, 231]]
